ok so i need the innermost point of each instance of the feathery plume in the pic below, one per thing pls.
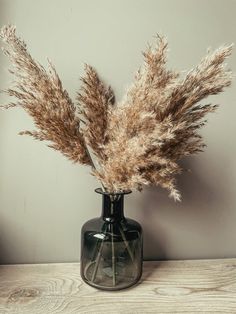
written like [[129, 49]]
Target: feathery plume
[[158, 120], [42, 96], [137, 142], [95, 99]]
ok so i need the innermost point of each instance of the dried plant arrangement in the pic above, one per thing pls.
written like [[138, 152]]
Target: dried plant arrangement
[[134, 143]]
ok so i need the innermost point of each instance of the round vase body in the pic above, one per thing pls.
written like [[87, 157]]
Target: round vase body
[[111, 247]]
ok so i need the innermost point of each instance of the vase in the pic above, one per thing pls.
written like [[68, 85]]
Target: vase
[[111, 246]]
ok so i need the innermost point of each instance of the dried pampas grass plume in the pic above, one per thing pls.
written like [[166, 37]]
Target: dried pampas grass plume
[[137, 142], [41, 95], [94, 99], [157, 122]]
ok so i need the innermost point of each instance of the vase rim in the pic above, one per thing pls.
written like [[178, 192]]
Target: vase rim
[[122, 192]]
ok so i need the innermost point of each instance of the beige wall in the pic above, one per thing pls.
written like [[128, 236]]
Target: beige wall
[[44, 199]]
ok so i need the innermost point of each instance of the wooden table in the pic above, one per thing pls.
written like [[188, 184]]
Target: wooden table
[[196, 286]]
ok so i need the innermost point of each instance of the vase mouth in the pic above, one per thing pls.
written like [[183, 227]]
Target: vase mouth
[[121, 192]]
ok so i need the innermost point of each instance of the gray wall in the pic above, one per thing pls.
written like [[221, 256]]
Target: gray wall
[[44, 199]]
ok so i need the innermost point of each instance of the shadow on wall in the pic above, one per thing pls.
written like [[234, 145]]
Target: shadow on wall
[[197, 220]]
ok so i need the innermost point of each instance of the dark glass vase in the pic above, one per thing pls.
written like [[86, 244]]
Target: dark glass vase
[[111, 246]]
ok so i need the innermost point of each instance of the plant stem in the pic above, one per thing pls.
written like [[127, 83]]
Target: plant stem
[[97, 260], [90, 157], [126, 243], [92, 163], [113, 255]]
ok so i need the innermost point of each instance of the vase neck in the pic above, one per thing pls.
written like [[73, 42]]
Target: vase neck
[[112, 207]]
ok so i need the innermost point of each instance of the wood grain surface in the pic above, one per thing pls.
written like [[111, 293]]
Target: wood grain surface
[[196, 286]]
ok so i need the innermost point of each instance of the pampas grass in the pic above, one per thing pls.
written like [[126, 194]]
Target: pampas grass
[[137, 142], [41, 95]]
